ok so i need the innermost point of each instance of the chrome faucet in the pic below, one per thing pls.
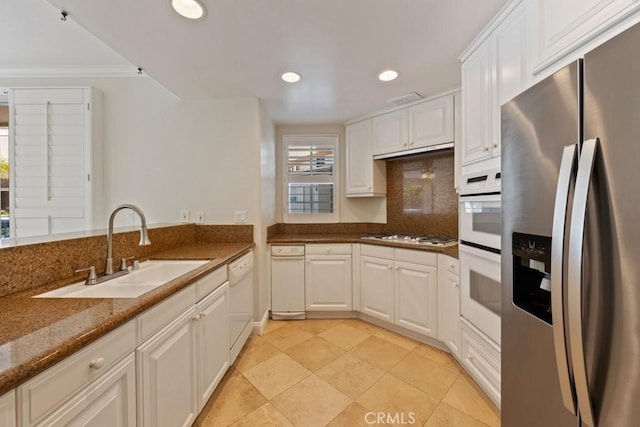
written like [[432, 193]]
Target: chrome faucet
[[144, 236]]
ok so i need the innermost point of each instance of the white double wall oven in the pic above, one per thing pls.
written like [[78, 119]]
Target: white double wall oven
[[479, 254]]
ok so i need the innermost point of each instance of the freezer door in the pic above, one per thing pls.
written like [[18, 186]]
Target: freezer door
[[611, 271], [536, 127]]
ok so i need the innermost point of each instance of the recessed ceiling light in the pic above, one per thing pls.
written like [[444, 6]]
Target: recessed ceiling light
[[191, 9], [291, 77], [388, 75]]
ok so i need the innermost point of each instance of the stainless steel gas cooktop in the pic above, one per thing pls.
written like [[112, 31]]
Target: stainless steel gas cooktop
[[415, 239]]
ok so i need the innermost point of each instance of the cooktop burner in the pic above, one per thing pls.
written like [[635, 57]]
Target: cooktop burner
[[416, 239]]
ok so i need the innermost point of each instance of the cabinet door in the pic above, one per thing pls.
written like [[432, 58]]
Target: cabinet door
[[390, 132], [108, 402], [416, 298], [213, 328], [511, 59], [564, 25], [476, 105], [431, 123], [328, 283], [449, 328], [365, 176], [8, 409], [376, 287], [167, 374]]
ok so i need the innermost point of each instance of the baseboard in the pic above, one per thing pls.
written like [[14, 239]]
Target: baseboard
[[260, 326]]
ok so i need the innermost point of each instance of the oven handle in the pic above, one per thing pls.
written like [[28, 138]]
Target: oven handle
[[575, 279], [567, 167]]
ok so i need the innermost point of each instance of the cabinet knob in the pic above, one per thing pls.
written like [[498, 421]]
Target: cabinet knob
[[485, 149], [388, 267], [201, 315], [369, 188], [195, 318], [97, 364], [494, 146]]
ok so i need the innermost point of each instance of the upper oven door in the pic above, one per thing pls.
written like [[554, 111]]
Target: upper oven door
[[480, 220]]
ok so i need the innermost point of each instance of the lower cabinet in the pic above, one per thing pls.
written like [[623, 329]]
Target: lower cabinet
[[180, 366], [167, 375], [110, 401], [376, 289], [328, 283], [212, 329], [8, 409], [480, 357], [449, 328], [400, 286]]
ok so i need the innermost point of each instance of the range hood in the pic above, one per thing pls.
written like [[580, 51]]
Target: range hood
[[419, 150]]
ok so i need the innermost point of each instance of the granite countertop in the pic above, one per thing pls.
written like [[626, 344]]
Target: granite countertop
[[355, 238], [36, 333]]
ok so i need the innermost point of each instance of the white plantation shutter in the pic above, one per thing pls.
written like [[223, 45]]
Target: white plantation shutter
[[50, 161], [310, 178]]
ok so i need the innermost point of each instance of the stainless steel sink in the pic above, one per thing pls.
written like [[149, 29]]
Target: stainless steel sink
[[151, 275]]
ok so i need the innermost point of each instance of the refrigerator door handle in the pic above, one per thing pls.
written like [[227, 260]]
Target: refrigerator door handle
[[576, 242], [567, 167]]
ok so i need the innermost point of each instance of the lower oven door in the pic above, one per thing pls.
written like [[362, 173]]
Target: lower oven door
[[480, 220], [480, 295]]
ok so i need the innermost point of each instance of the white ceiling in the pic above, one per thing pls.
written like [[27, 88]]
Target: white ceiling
[[242, 47]]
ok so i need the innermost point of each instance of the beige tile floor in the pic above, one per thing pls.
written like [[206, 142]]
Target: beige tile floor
[[344, 373]]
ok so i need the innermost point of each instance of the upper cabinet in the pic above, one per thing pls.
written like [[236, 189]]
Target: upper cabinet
[[365, 177], [563, 26], [494, 69], [390, 132], [418, 126]]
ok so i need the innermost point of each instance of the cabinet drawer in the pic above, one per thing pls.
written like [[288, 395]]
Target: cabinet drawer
[[333, 249], [417, 257], [377, 251], [45, 392], [8, 409], [482, 361], [163, 313], [210, 282]]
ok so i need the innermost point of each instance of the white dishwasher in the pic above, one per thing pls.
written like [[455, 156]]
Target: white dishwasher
[[240, 273], [287, 282]]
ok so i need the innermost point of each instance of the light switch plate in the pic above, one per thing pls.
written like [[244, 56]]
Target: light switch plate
[[200, 217], [240, 216], [184, 216]]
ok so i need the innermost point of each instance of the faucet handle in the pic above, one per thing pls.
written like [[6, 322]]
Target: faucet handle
[[123, 262], [93, 278]]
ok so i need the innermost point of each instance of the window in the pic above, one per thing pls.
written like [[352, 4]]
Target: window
[[310, 178]]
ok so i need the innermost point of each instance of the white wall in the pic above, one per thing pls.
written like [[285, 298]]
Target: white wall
[[351, 209], [165, 154]]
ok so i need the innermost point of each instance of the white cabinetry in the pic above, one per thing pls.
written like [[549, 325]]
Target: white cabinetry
[[376, 287], [167, 375], [211, 330], [96, 382], [8, 409], [417, 126], [55, 157], [481, 358], [390, 132], [431, 122], [328, 282], [180, 365], [365, 177], [565, 25], [400, 286], [449, 329], [494, 69]]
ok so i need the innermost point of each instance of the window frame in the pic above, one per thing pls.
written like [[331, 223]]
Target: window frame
[[310, 139]]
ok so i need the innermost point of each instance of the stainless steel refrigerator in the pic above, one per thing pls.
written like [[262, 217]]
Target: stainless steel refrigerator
[[571, 244]]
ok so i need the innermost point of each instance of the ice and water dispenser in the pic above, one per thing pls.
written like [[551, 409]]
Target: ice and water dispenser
[[532, 274]]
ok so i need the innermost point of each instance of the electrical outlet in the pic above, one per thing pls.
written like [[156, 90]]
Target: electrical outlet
[[184, 216], [200, 217], [240, 216]]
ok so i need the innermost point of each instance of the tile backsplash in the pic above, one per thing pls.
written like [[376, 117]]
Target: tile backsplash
[[421, 197]]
